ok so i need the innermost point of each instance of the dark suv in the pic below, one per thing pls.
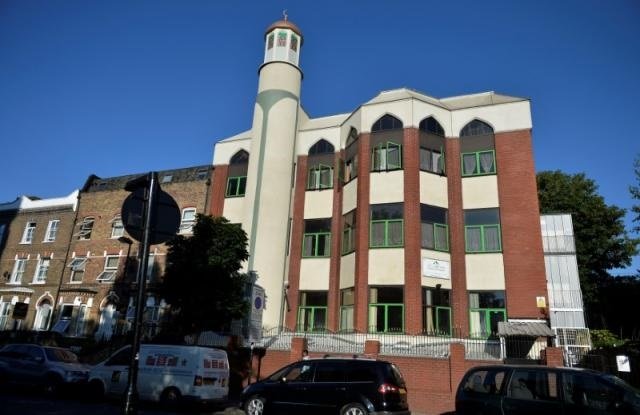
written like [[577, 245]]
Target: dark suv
[[522, 390], [330, 386]]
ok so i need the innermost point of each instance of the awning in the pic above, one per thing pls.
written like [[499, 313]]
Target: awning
[[524, 328]]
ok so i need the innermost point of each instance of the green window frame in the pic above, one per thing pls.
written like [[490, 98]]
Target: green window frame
[[388, 239], [432, 160], [320, 177], [440, 236], [236, 186], [386, 156], [475, 164], [385, 310], [312, 318], [487, 321], [316, 245], [443, 324], [483, 238], [348, 232]]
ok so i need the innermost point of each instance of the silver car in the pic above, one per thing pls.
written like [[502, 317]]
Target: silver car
[[50, 367]]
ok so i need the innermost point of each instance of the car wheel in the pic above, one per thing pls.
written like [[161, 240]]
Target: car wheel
[[254, 405], [170, 396], [353, 409], [52, 384], [96, 390]]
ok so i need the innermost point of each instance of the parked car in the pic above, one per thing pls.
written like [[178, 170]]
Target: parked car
[[49, 367], [167, 373], [330, 386], [522, 390]]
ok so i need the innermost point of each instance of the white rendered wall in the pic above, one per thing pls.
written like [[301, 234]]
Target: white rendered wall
[[386, 266], [480, 192], [234, 209], [485, 271], [350, 196], [314, 274], [347, 270], [433, 190], [318, 204], [386, 187]]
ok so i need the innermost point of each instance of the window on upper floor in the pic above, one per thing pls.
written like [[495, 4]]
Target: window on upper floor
[[29, 231], [482, 230], [77, 266], [237, 179], [349, 232], [52, 230], [386, 156], [350, 170], [41, 271], [477, 148], [347, 301], [187, 221], [317, 238], [387, 225], [385, 123], [110, 269], [434, 227], [18, 271], [117, 227], [320, 166], [86, 227], [432, 143]]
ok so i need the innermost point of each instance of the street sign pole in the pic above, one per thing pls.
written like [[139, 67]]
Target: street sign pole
[[131, 399]]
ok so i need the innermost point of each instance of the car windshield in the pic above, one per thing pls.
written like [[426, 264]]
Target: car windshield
[[280, 373], [61, 355]]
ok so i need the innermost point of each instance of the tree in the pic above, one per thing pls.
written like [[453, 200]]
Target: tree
[[635, 194], [602, 242], [202, 282]]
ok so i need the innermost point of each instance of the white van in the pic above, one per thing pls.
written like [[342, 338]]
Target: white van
[[166, 373]]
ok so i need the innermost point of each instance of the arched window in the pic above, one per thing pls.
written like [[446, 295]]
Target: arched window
[[108, 319], [386, 149], [431, 146], [386, 122], [477, 148], [320, 166], [43, 314], [351, 156], [432, 126], [476, 127], [321, 147], [237, 180]]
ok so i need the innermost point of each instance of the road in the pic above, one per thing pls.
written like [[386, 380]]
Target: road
[[27, 402]]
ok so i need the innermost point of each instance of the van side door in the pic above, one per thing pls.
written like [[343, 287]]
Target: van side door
[[481, 390], [532, 392], [116, 372]]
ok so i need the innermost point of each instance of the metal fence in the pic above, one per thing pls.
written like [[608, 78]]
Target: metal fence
[[396, 344]]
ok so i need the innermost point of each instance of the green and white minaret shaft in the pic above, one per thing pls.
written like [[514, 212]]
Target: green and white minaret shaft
[[270, 171]]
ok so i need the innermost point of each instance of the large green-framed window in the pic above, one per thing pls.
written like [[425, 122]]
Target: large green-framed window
[[432, 160], [482, 230], [350, 170], [317, 238], [386, 310], [486, 310], [347, 302], [387, 225], [386, 156], [479, 163], [436, 311], [349, 232], [312, 312], [434, 224], [236, 186], [320, 177]]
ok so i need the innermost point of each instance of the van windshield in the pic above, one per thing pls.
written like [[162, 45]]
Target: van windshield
[[61, 355]]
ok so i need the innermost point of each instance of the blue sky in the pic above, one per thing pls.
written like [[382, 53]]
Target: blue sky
[[119, 87]]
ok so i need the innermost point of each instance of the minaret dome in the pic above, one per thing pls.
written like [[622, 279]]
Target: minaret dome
[[283, 41]]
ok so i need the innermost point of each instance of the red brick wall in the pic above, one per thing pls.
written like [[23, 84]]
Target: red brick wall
[[362, 235], [295, 244], [459, 296], [218, 189], [412, 229], [333, 299], [520, 220], [431, 383]]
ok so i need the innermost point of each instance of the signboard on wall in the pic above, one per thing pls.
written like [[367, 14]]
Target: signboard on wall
[[436, 268]]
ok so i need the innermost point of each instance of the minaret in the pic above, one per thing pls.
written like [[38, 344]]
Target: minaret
[[269, 190]]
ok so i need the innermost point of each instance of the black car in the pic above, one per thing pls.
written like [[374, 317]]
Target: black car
[[522, 390], [330, 386]]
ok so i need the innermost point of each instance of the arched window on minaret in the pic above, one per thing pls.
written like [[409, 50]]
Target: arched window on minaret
[[237, 181], [283, 40]]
